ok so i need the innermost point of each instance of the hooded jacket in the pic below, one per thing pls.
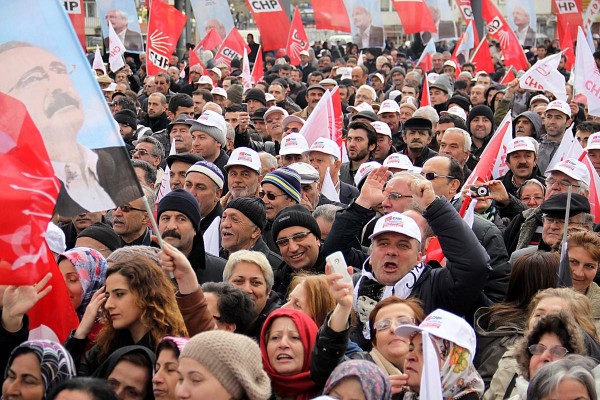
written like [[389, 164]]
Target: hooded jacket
[[535, 120]]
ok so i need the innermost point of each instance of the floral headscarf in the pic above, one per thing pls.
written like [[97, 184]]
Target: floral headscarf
[[373, 380], [91, 268], [56, 364]]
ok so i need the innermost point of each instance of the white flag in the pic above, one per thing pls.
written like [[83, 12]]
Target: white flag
[[587, 77], [544, 76], [328, 188], [116, 49], [360, 59], [211, 237], [165, 185], [321, 122], [565, 149], [246, 75], [469, 217], [98, 62]]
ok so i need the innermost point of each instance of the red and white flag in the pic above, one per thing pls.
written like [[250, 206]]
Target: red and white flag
[[232, 48], [210, 41], [331, 15], [493, 159], [569, 15], [321, 122], [74, 9], [425, 61], [116, 50], [544, 76], [594, 196], [415, 16], [165, 184], [467, 41], [587, 77], [246, 76], [508, 77], [482, 58], [272, 21], [465, 9], [297, 39], [338, 117], [164, 28], [425, 96], [98, 62], [591, 13], [258, 70], [566, 43], [498, 28]]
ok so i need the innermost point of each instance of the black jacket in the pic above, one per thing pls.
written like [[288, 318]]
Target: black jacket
[[205, 222], [273, 303], [274, 259], [347, 193], [285, 273], [507, 180], [10, 340], [327, 353], [220, 162], [156, 123]]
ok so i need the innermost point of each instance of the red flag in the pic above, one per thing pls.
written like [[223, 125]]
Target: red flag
[[297, 39], [258, 70], [338, 116], [594, 196], [331, 15], [194, 60], [465, 9], [210, 41], [425, 61], [434, 251], [566, 43], [232, 48], [164, 28], [569, 15], [425, 96], [415, 16], [482, 58], [501, 31], [508, 77], [271, 21], [74, 9], [28, 193]]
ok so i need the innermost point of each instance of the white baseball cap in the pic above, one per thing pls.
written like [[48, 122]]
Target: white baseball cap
[[561, 106], [361, 107], [308, 173], [389, 106], [574, 169], [217, 71], [457, 111], [432, 77], [273, 110], [293, 118], [294, 143], [382, 128], [205, 80], [520, 143], [539, 97], [219, 91], [327, 146], [398, 161], [269, 97], [305, 53], [593, 141], [209, 118], [394, 94], [450, 63], [378, 76], [364, 170], [55, 237], [398, 223], [246, 158]]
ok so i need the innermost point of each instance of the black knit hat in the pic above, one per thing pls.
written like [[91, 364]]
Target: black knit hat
[[181, 201], [460, 101], [126, 117], [256, 94], [296, 215], [480, 111], [251, 207], [102, 233]]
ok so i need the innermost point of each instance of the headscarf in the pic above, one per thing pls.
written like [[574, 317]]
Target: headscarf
[[91, 268], [373, 380], [56, 364], [299, 385]]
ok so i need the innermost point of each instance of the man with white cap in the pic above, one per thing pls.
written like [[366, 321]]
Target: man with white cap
[[208, 139], [397, 162], [305, 67], [219, 96], [293, 149], [323, 154], [593, 149], [395, 267], [557, 119], [389, 112], [292, 124], [243, 173], [521, 158], [384, 141], [274, 123]]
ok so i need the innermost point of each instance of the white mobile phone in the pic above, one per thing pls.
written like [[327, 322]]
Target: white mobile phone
[[339, 266]]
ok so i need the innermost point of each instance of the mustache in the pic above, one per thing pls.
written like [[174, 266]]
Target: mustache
[[522, 165], [171, 233], [59, 100]]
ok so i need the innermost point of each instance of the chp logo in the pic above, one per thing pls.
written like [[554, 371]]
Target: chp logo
[[393, 221], [243, 156], [297, 45], [263, 6], [432, 321], [498, 29], [230, 54], [290, 141]]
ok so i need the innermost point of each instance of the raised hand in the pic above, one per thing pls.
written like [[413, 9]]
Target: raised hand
[[371, 194], [91, 314], [174, 261], [18, 300]]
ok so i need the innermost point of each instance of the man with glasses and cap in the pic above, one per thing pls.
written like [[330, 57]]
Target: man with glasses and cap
[[294, 148]]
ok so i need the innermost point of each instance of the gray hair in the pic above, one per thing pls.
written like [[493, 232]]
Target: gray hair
[[162, 97], [429, 113], [149, 170], [159, 149], [150, 196], [466, 137], [270, 160], [370, 90], [213, 107], [253, 257], [550, 376], [326, 211], [230, 134]]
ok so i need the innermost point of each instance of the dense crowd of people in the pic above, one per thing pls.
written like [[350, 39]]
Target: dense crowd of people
[[240, 301]]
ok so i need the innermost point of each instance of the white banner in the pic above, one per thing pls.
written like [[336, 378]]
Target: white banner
[[544, 76], [587, 77]]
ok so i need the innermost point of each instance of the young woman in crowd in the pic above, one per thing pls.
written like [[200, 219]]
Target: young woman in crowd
[[358, 380], [584, 256], [165, 376], [35, 368]]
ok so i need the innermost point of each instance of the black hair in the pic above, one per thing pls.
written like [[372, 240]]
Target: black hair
[[235, 305], [180, 100], [98, 389]]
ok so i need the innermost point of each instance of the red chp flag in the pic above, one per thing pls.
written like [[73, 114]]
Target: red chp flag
[[482, 58], [232, 48], [425, 96], [465, 9], [297, 39], [74, 9], [566, 43], [569, 15], [164, 28], [28, 193], [331, 15], [501, 31], [338, 116], [271, 21], [258, 71], [210, 41], [508, 77], [415, 16]]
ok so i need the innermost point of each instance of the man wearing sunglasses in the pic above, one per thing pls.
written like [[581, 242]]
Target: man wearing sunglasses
[[130, 221]]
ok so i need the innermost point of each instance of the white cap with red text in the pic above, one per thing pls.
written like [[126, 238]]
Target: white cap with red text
[[294, 143], [593, 141], [520, 143], [327, 146], [389, 106], [244, 157], [397, 223], [561, 106], [398, 161], [382, 128], [574, 169]]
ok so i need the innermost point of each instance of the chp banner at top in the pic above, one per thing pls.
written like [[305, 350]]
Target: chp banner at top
[[123, 17], [272, 22], [212, 14], [42, 66], [164, 28]]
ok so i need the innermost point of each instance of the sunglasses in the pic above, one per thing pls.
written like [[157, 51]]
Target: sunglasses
[[298, 237], [432, 175], [127, 208], [270, 196]]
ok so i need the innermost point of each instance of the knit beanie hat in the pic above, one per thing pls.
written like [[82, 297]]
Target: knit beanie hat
[[296, 215], [181, 201], [102, 233], [287, 180], [212, 124], [251, 207], [480, 111], [256, 94], [235, 93], [209, 169], [461, 101], [126, 117], [234, 359]]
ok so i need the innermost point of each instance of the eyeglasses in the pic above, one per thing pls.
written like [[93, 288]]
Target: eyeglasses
[[298, 237], [563, 183], [560, 221], [270, 196], [126, 208], [432, 175], [397, 196], [555, 351], [387, 323], [292, 130], [141, 151]]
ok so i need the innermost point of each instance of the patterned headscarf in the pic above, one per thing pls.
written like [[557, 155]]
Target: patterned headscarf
[[91, 268], [56, 363], [373, 380]]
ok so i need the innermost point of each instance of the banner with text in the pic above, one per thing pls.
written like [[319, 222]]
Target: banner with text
[[272, 22], [164, 28]]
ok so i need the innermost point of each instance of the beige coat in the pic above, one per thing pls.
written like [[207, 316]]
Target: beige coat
[[593, 293]]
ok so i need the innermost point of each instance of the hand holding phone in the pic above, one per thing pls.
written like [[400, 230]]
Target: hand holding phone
[[338, 265]]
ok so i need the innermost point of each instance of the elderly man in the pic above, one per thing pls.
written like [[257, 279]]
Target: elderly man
[[130, 221], [524, 32], [132, 40], [243, 173], [389, 112], [366, 35], [180, 134], [241, 228], [456, 143], [521, 157], [178, 165], [311, 186], [274, 117], [417, 136], [360, 73], [150, 150], [365, 94], [208, 139], [205, 181]]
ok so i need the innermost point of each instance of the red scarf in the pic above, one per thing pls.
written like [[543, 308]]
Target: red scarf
[[299, 385]]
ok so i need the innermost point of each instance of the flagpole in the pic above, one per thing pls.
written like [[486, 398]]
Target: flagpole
[[155, 228], [567, 212]]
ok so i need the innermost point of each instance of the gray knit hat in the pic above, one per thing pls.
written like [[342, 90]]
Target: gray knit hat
[[235, 93], [233, 359], [212, 124]]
